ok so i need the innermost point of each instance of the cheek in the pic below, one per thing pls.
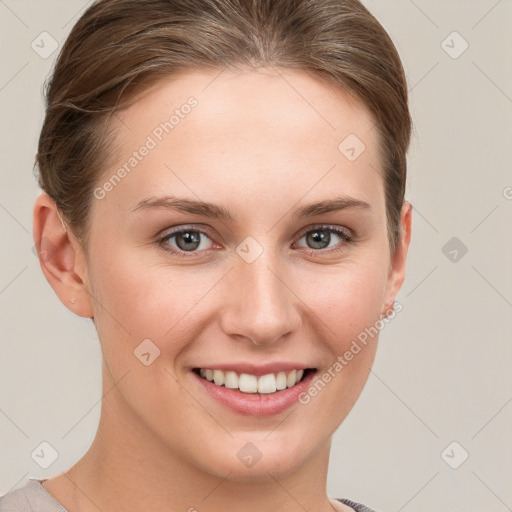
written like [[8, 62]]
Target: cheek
[[347, 300], [347, 307], [140, 299], [144, 297]]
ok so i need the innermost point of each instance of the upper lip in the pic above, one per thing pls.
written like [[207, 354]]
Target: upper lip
[[257, 369]]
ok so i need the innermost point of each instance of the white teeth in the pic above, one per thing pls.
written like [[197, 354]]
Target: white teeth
[[231, 380], [247, 383], [218, 377], [267, 383], [281, 380], [291, 378]]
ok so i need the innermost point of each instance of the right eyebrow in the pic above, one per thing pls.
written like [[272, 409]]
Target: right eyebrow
[[186, 206]]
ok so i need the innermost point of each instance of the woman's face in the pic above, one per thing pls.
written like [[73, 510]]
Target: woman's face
[[257, 277]]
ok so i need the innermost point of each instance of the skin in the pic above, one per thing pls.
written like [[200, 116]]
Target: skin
[[163, 444]]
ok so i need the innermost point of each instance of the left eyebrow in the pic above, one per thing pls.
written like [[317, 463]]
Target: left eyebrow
[[216, 211], [331, 205]]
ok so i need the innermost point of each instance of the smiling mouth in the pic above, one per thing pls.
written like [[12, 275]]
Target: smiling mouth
[[252, 384]]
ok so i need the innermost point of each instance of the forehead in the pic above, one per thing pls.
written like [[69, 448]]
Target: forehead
[[252, 133]]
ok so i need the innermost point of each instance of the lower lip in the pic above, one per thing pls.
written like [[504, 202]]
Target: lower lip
[[255, 404]]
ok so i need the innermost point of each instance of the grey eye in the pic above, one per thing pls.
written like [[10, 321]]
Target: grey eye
[[186, 240], [321, 238]]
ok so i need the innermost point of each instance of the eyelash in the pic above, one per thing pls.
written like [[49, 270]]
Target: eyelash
[[348, 239]]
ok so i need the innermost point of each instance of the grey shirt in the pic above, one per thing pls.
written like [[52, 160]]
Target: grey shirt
[[33, 497]]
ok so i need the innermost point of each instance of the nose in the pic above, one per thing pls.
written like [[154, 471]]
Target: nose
[[260, 305]]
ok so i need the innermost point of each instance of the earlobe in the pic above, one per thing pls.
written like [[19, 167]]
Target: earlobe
[[61, 257]]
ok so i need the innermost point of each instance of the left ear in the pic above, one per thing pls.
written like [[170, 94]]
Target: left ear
[[398, 260]]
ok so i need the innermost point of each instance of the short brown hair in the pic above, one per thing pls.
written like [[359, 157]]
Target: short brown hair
[[119, 47]]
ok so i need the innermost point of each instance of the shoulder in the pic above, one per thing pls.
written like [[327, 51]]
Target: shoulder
[[358, 507], [31, 497], [16, 500]]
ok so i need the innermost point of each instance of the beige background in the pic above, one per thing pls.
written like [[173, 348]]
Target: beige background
[[443, 368]]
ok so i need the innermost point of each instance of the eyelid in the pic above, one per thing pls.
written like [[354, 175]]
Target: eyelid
[[207, 231], [164, 233], [170, 232], [347, 235], [346, 231]]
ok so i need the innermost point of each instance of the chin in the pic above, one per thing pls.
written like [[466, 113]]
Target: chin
[[255, 459]]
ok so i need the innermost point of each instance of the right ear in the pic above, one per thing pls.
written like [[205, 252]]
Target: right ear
[[61, 257]]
